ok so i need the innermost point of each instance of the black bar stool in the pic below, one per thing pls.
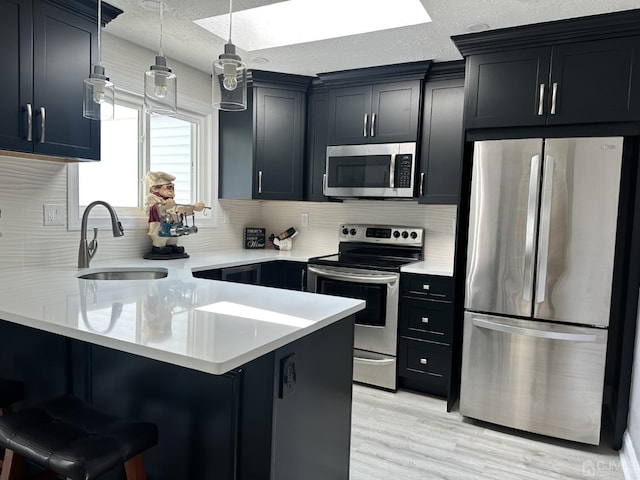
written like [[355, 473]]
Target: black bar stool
[[73, 440], [11, 391]]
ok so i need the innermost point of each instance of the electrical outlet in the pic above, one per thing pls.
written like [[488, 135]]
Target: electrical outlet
[[305, 219], [53, 214], [227, 216]]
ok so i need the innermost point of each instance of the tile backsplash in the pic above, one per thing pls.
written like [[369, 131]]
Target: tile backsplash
[[27, 184]]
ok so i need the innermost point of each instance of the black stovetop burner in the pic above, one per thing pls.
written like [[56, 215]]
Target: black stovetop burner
[[377, 247]]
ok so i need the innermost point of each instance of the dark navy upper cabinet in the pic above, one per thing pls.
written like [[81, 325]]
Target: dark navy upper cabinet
[[569, 72], [442, 134], [375, 104], [318, 106], [47, 49], [262, 148], [380, 113]]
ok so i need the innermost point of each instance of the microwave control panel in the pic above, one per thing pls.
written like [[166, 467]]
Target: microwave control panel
[[403, 173]]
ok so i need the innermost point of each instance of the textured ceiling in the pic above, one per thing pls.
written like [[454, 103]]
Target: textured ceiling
[[190, 44]]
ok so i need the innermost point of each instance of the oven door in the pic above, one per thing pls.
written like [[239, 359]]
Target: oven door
[[376, 326]]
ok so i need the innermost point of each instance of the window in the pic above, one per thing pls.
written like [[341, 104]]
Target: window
[[134, 143]]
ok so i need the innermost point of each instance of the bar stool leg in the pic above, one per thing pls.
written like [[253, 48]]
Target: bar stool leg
[[134, 468], [12, 467]]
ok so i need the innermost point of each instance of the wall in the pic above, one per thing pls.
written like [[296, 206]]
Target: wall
[[630, 453]]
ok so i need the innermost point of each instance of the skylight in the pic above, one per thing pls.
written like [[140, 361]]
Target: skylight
[[300, 21]]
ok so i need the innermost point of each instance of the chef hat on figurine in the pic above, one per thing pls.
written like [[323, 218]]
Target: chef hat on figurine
[[157, 178]]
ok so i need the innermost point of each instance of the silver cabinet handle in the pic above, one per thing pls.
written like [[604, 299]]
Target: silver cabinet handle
[[426, 287], [364, 124], [545, 228], [260, 181], [373, 125], [303, 277], [421, 184], [529, 237], [43, 122], [29, 122], [424, 361], [554, 94], [541, 100], [532, 332], [425, 319], [324, 184]]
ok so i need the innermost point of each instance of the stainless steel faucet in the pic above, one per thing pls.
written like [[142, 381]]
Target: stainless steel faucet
[[88, 249]]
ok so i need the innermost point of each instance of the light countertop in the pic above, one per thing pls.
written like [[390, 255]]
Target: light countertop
[[201, 324]]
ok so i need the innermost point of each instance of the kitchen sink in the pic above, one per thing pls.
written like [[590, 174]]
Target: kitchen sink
[[125, 274]]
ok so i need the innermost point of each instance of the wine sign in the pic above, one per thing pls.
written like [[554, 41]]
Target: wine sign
[[254, 237]]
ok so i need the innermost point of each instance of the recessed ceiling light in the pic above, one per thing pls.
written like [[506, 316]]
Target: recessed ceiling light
[[477, 27], [300, 21]]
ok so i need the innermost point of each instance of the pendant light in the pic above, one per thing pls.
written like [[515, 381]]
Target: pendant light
[[98, 100], [160, 84], [230, 77]]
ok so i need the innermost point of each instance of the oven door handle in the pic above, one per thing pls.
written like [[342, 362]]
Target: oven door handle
[[352, 277]]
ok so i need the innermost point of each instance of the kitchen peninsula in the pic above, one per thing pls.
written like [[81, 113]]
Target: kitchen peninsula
[[243, 381]]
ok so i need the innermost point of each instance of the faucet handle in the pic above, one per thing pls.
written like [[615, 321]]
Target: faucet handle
[[93, 244]]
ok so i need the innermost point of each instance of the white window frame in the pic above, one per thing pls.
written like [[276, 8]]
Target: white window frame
[[205, 182]]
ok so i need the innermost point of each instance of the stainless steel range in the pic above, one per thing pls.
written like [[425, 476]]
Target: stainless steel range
[[367, 267]]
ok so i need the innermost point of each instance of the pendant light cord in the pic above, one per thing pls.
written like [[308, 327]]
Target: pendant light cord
[[230, 19], [161, 22], [99, 28]]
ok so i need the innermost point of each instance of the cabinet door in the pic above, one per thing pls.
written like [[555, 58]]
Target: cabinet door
[[279, 143], [442, 142], [504, 89], [595, 82], [349, 115], [63, 47], [15, 53], [394, 112], [317, 146]]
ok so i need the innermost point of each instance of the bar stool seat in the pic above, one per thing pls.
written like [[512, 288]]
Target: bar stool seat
[[11, 391], [74, 440]]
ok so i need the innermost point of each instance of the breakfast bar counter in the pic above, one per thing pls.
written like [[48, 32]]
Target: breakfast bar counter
[[244, 382]]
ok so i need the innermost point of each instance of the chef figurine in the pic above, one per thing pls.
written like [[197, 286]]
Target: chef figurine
[[166, 218]]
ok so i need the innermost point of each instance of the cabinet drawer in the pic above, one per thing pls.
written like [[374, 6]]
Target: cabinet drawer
[[426, 364], [427, 286], [426, 319]]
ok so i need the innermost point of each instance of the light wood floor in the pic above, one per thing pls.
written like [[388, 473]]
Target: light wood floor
[[404, 435]]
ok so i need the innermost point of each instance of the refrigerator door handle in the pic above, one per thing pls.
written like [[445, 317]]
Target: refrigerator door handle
[[533, 332], [529, 239], [545, 228]]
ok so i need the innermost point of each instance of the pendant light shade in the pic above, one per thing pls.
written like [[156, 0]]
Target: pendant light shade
[[230, 77], [99, 95], [160, 83]]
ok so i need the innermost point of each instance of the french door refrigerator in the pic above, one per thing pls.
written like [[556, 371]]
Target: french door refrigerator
[[542, 235]]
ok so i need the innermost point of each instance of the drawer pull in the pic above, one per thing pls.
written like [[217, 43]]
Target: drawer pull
[[425, 319], [426, 286], [423, 361]]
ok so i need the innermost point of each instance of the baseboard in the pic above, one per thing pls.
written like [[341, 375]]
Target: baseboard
[[629, 459]]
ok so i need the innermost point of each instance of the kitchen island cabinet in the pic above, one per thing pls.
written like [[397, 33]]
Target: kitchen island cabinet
[[48, 48], [230, 373]]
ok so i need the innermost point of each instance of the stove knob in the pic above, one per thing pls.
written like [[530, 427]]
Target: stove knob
[[414, 235], [405, 234], [396, 234], [345, 231], [353, 231]]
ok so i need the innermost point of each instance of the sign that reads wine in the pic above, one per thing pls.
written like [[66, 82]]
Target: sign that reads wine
[[254, 237]]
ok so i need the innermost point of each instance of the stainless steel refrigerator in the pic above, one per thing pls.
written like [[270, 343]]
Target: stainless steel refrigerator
[[541, 245]]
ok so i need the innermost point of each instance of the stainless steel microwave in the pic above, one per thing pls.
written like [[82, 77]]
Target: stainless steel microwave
[[383, 170]]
